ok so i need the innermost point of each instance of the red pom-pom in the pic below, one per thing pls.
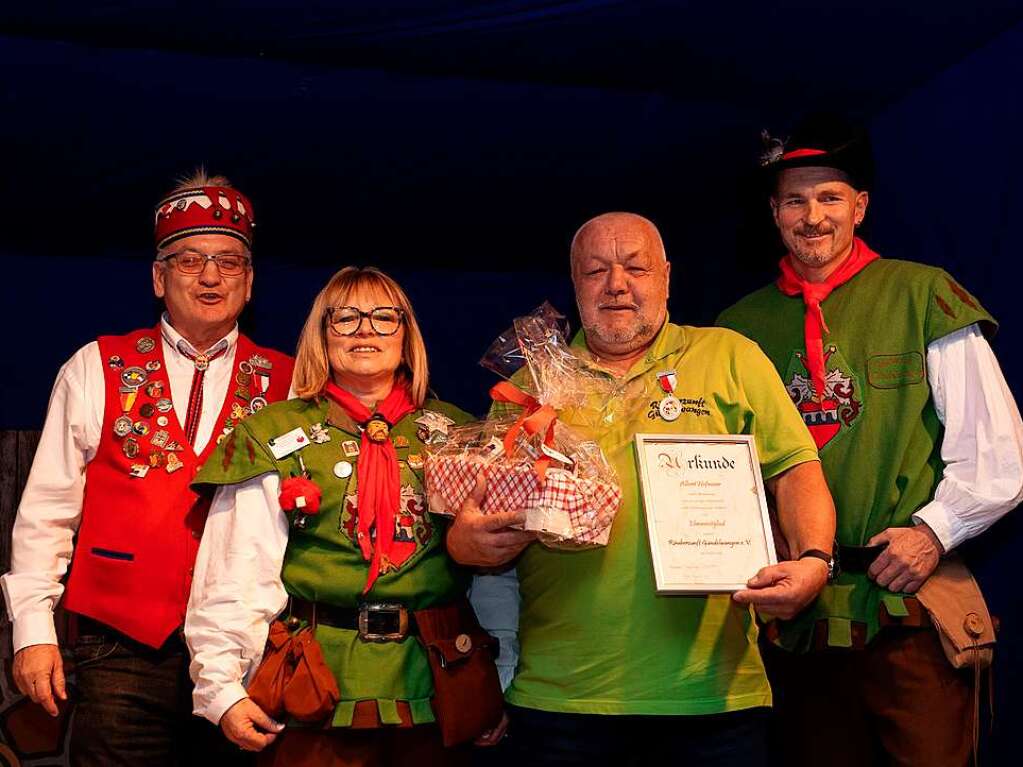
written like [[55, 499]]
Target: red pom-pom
[[300, 494]]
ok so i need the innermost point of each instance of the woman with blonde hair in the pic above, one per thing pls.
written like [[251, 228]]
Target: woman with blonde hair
[[319, 537]]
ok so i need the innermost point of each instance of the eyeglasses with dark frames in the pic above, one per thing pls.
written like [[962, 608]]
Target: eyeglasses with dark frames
[[346, 320]]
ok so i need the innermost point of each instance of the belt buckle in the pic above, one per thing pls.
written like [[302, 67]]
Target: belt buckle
[[369, 628]]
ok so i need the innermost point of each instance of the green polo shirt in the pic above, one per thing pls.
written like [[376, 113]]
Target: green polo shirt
[[595, 636]]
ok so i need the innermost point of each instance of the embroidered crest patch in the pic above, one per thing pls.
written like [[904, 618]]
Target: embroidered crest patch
[[413, 528], [834, 413]]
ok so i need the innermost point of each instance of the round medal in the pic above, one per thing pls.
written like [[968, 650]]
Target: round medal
[[164, 405], [155, 389], [115, 362], [342, 469], [153, 365], [246, 367], [144, 345], [122, 426], [257, 403], [141, 428], [243, 378], [147, 410], [134, 377], [161, 420], [669, 408]]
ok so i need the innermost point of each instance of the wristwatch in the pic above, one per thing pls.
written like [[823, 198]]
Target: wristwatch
[[827, 558]]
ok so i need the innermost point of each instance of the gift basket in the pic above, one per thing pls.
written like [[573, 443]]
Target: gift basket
[[532, 461]]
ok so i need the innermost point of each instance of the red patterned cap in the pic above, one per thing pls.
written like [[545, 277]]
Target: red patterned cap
[[204, 210]]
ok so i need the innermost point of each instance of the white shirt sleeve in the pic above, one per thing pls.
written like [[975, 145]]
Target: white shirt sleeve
[[236, 591], [983, 442], [495, 598], [51, 505]]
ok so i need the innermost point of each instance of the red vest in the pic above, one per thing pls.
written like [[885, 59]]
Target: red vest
[[141, 524]]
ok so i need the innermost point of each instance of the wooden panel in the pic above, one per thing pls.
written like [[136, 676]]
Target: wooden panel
[[17, 449]]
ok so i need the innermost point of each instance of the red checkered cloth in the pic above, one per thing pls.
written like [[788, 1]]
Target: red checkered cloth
[[566, 507]]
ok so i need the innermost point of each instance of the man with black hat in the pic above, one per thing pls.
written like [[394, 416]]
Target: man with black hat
[[922, 447], [131, 420]]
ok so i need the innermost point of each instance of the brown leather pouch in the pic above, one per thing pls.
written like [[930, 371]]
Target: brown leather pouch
[[957, 608], [467, 698], [267, 685], [293, 677], [311, 694], [959, 613]]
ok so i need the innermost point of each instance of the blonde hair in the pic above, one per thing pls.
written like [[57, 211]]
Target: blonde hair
[[312, 368]]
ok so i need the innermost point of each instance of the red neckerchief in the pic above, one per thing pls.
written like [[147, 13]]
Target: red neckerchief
[[814, 293], [379, 490]]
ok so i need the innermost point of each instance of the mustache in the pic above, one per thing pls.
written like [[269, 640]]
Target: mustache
[[814, 231]]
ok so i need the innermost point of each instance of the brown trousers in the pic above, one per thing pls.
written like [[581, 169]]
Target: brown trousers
[[418, 746], [898, 701]]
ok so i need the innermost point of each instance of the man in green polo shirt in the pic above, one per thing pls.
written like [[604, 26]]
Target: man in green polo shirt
[[608, 669]]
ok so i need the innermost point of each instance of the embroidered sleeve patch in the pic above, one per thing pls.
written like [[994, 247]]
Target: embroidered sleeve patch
[[943, 305], [228, 452], [961, 294], [890, 371]]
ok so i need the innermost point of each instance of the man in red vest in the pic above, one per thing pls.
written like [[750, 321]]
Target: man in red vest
[[130, 422]]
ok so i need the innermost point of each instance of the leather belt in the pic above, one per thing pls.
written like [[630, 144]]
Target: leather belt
[[858, 559], [375, 621]]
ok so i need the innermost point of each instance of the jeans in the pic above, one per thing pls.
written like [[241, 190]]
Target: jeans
[[536, 737], [134, 706]]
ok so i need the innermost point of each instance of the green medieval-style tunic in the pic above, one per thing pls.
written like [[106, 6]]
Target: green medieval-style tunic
[[323, 561], [879, 433]]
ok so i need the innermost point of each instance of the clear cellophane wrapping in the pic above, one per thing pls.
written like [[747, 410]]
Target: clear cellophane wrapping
[[563, 482]]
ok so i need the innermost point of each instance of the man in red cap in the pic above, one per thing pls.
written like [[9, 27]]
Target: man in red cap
[[922, 446], [131, 420]]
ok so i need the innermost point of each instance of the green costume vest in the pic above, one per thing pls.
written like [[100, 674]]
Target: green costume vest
[[323, 562], [881, 450]]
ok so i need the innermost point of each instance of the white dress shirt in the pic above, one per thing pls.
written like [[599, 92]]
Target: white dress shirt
[[236, 591], [982, 449], [51, 506]]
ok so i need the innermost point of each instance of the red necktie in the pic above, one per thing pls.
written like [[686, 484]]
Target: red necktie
[[201, 361]]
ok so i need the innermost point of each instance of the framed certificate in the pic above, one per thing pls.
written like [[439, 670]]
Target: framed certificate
[[706, 511]]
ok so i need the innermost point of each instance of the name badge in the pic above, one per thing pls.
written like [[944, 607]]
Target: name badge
[[288, 443]]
